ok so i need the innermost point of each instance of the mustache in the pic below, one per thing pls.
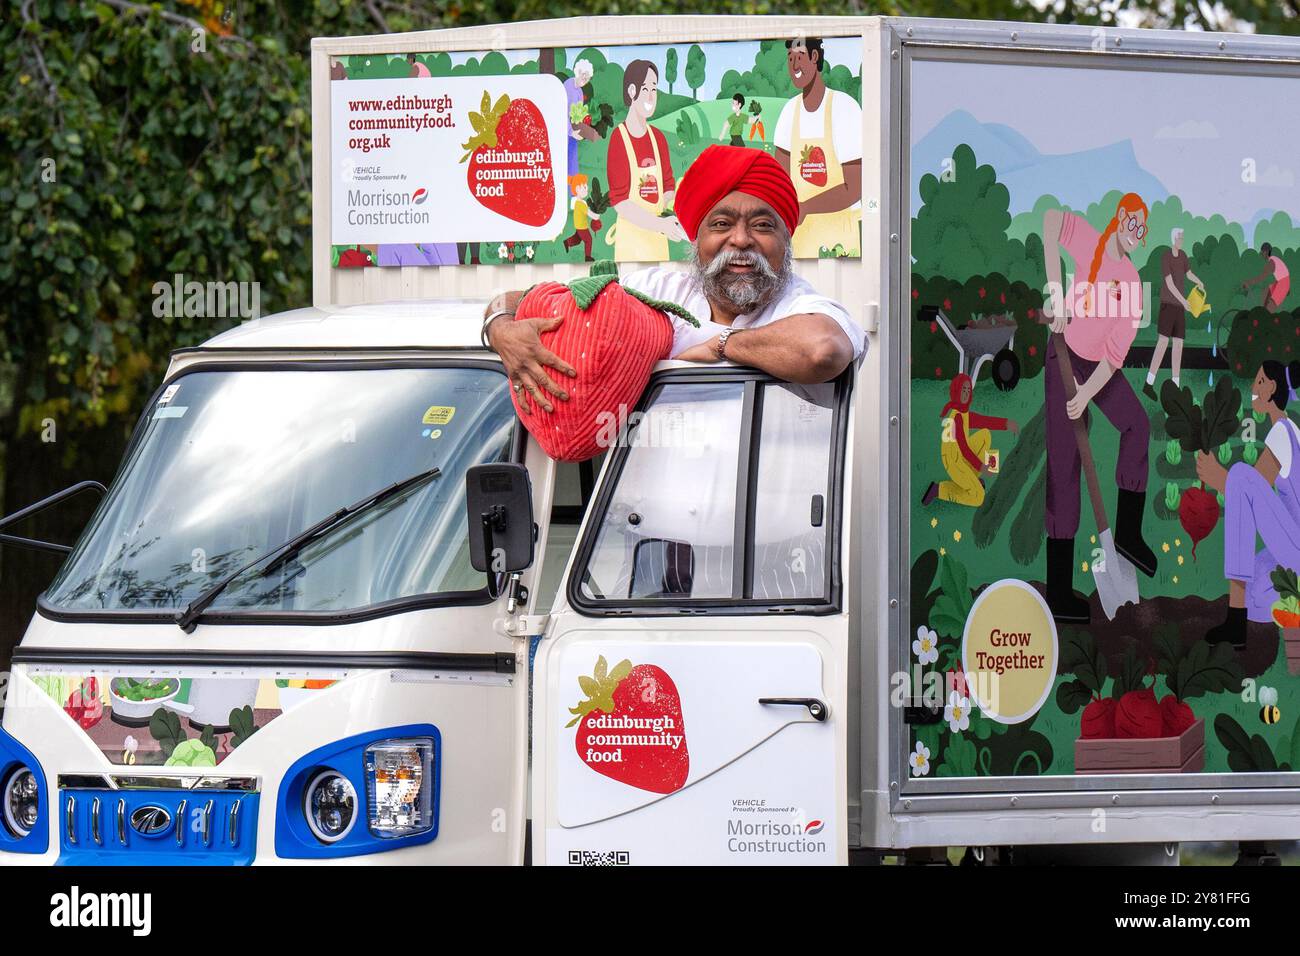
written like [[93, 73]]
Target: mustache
[[730, 257]]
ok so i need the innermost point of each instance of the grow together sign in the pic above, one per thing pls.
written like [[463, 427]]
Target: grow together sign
[[1010, 632]]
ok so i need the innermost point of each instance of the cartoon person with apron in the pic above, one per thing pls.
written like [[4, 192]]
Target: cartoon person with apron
[[818, 139], [640, 172]]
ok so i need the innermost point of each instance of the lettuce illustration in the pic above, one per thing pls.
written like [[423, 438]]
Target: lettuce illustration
[[192, 753]]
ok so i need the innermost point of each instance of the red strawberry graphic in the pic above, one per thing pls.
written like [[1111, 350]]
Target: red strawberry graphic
[[510, 139], [639, 709], [648, 187], [812, 165]]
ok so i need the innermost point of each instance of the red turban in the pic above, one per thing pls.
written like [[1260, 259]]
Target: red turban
[[720, 170]]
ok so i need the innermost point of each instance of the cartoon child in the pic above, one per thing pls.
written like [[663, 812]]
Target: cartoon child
[[582, 218], [734, 125], [756, 130], [965, 453]]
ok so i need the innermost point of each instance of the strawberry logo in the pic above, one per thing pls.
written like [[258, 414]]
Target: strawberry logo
[[649, 188], [630, 726], [510, 160], [812, 165]]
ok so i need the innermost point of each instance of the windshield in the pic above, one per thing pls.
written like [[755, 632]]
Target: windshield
[[229, 464]]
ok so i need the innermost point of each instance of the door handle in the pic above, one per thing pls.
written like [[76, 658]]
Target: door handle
[[816, 708]]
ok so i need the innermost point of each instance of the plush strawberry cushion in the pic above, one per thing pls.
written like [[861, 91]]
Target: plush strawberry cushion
[[612, 339]]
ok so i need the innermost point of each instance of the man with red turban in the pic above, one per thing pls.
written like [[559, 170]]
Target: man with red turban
[[739, 208]]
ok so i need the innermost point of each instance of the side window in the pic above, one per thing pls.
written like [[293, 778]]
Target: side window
[[668, 532], [791, 491], [725, 496]]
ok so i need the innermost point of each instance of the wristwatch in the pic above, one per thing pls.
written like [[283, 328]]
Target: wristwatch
[[721, 348]]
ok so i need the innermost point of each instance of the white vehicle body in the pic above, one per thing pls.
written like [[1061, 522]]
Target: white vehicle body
[[837, 770]]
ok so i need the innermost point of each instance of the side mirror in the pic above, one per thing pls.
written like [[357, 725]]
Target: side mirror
[[499, 503]]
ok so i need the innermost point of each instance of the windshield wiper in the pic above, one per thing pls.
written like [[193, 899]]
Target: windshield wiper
[[187, 618]]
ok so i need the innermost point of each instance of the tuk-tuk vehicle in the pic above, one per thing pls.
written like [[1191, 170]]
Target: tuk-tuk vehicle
[[338, 606]]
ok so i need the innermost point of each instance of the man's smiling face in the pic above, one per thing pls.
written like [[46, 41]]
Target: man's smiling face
[[802, 66], [742, 252]]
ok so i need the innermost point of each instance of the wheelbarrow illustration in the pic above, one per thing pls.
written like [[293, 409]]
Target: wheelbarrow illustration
[[987, 339]]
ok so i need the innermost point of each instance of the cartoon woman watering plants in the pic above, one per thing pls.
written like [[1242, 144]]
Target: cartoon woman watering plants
[[1095, 322], [965, 454], [1263, 501]]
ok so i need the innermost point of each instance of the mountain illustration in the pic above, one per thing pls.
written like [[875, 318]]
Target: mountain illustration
[[1077, 179]]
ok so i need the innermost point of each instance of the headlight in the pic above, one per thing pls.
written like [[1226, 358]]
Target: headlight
[[399, 785], [330, 806], [21, 802]]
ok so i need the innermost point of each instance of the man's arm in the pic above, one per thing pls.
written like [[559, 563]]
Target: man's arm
[[804, 349], [841, 197]]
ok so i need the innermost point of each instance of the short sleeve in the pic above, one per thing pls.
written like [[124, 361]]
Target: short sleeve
[[1079, 239], [814, 303], [847, 135], [784, 126], [1279, 443]]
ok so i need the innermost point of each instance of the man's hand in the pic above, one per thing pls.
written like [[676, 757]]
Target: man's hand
[[519, 344], [1013, 426]]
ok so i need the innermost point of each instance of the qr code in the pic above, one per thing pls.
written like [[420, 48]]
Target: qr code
[[599, 858]]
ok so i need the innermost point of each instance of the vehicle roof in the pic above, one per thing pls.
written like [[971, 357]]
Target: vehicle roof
[[427, 323]]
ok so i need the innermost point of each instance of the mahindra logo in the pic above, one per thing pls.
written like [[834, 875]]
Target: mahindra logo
[[150, 820]]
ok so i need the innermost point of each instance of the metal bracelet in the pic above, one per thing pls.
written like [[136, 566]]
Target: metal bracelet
[[483, 333]]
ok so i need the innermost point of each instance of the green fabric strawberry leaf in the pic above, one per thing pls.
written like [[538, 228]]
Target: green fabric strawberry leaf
[[604, 271]]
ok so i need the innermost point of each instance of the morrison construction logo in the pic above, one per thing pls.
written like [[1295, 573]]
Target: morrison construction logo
[[386, 207], [791, 834]]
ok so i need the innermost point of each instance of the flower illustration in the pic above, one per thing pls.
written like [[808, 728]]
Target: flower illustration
[[957, 712], [1165, 547], [934, 522], [956, 536], [926, 645], [502, 251], [919, 760]]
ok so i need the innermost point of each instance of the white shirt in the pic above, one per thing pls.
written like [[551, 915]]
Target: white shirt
[[1280, 445], [846, 113], [798, 298]]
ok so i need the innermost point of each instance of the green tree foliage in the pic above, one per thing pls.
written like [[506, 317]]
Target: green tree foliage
[[695, 66], [670, 67], [961, 228]]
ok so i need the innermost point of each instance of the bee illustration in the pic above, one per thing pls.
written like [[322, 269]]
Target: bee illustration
[[1269, 713]]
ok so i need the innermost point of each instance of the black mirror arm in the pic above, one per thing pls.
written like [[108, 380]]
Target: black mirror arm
[[492, 520], [42, 505]]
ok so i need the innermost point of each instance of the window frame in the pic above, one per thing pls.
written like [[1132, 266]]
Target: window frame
[[753, 382], [473, 598]]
